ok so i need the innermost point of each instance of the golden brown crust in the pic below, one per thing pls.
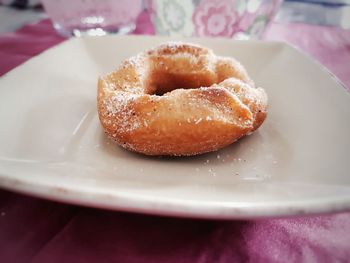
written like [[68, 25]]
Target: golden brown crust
[[207, 102]]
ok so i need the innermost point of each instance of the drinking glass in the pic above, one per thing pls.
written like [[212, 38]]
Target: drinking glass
[[93, 17]]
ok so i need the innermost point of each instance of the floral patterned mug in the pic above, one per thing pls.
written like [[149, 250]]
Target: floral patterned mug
[[239, 19]]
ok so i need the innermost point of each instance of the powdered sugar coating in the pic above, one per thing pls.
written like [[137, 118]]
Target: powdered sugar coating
[[198, 111]]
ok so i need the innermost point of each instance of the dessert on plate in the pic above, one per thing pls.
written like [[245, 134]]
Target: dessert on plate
[[179, 99]]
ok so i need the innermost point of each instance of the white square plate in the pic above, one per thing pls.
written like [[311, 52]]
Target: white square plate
[[298, 162]]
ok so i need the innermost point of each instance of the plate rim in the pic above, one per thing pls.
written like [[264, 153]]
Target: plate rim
[[206, 210]]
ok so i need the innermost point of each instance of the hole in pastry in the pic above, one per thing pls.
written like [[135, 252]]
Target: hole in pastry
[[161, 82]]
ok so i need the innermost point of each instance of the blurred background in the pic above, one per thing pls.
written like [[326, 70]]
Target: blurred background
[[16, 13]]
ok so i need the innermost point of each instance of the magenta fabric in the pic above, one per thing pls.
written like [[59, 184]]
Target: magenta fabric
[[40, 231]]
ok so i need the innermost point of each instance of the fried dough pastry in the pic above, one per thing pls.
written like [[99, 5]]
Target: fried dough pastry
[[179, 99]]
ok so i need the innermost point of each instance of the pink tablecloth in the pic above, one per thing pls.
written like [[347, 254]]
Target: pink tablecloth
[[42, 231]]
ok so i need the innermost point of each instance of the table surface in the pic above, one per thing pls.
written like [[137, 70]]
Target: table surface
[[35, 230]]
